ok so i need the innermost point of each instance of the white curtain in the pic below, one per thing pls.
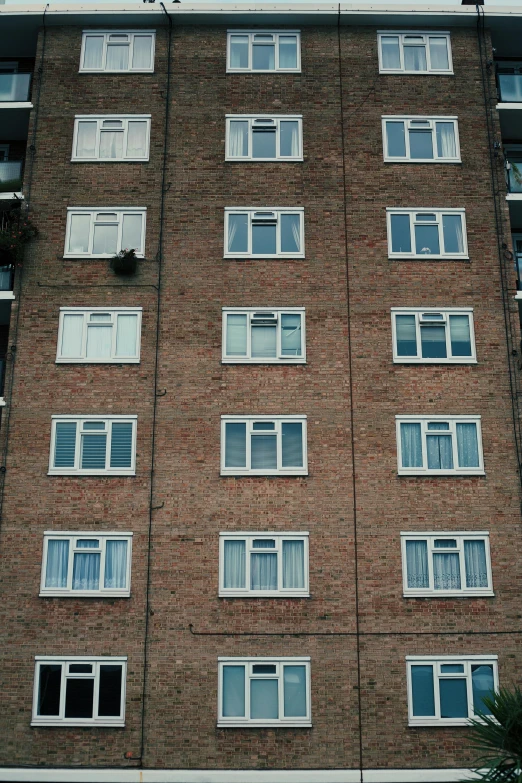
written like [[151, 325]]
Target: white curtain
[[236, 335], [117, 57], [93, 51], [263, 571], [446, 140], [439, 53], [239, 51], [439, 451], [238, 139], [111, 144], [86, 567], [264, 701], [234, 565], [446, 571], [72, 334], [233, 691], [126, 335], [235, 445], [264, 342], [390, 54], [137, 140], [57, 564], [105, 239], [475, 563], [142, 52], [287, 51], [415, 58], [294, 680], [86, 139], [467, 446], [417, 564], [99, 341], [411, 446], [116, 564], [131, 235], [293, 564]]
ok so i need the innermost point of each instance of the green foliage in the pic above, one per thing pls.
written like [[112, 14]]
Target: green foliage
[[17, 230], [497, 738], [124, 263]]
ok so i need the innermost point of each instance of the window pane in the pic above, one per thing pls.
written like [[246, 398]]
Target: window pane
[[427, 240], [236, 335], [238, 141], [453, 698], [57, 564], [391, 57], [452, 231], [415, 58], [421, 145], [401, 237], [117, 57], [131, 234], [86, 571], [264, 342], [263, 57], [294, 679], [142, 52], [49, 687], [452, 668], [395, 139], [291, 335], [235, 445], [411, 447], [293, 565], [109, 698], [105, 240], [116, 564], [460, 335], [111, 144], [467, 446], [440, 455], [65, 445], [137, 140], [233, 691], [483, 685], [439, 54], [121, 445], [264, 239], [86, 140], [417, 564], [237, 233], [287, 51], [72, 333], [475, 562], [423, 695], [99, 342], [127, 335], [93, 51], [292, 437], [263, 571], [264, 699], [289, 138], [446, 572], [433, 342], [264, 452], [93, 452], [239, 51], [79, 694], [234, 568], [446, 147], [290, 233], [406, 335], [263, 144], [79, 233]]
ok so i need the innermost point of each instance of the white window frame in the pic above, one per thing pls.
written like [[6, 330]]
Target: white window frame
[[65, 660], [86, 312], [72, 537], [437, 661], [277, 118], [76, 470], [446, 312], [278, 421], [460, 537], [277, 312], [251, 212], [106, 34], [401, 34], [280, 663], [93, 212], [452, 421], [439, 212], [99, 119], [247, 592], [276, 34], [432, 120]]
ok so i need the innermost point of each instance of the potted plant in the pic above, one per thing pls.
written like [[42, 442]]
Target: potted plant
[[124, 262], [17, 229]]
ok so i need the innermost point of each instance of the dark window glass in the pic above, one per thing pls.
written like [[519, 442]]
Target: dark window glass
[[264, 143], [110, 690], [80, 668], [264, 668], [433, 340], [79, 698], [49, 689], [421, 145]]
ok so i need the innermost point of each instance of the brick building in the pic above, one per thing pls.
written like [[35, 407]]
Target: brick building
[[260, 496]]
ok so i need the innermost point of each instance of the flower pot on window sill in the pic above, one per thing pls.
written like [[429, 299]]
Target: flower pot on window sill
[[124, 263]]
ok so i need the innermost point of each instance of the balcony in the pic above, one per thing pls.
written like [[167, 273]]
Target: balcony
[[14, 88], [509, 87], [10, 178]]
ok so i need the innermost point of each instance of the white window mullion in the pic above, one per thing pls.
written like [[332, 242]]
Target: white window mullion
[[91, 233], [278, 233], [424, 446], [279, 445], [280, 690], [85, 334], [70, 563], [406, 134], [453, 431], [442, 247], [78, 447], [249, 437], [433, 142], [108, 442], [96, 691], [431, 577], [103, 550], [462, 562], [469, 689], [413, 245], [436, 688], [62, 690], [248, 675]]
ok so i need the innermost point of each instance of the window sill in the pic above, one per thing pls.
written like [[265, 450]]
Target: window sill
[[7, 295], [109, 160], [95, 361], [416, 473], [122, 73], [396, 72], [508, 105], [262, 594], [428, 257], [405, 360], [284, 360], [246, 257], [265, 725], [256, 71], [79, 473], [16, 105], [72, 256], [423, 160], [261, 473], [84, 594], [84, 723], [12, 196], [263, 160], [450, 594], [442, 722]]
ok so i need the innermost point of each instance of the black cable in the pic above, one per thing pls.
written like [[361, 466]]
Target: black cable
[[155, 402], [355, 634]]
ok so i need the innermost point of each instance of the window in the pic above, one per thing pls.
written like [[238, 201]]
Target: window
[[263, 564], [439, 445], [414, 52], [264, 692], [446, 564], [96, 334], [266, 233], [262, 137], [264, 51], [86, 564], [93, 445], [93, 233], [111, 137], [117, 51], [263, 445], [433, 336], [447, 690], [427, 233], [509, 76], [421, 139], [264, 336], [79, 691]]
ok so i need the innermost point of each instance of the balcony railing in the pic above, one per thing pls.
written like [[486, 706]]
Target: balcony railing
[[10, 175], [14, 87]]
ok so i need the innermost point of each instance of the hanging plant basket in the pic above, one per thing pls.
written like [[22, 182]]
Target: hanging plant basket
[[124, 263]]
